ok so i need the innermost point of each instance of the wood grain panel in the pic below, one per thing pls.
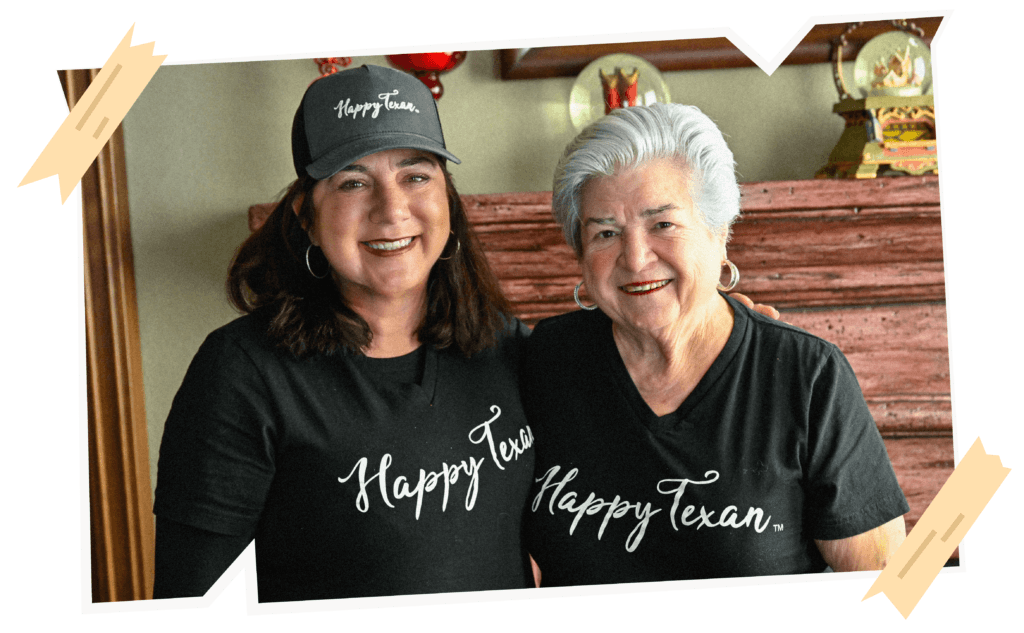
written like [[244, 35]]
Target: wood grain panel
[[798, 244], [810, 286], [904, 415], [859, 329], [837, 239], [922, 466], [788, 195], [900, 356]]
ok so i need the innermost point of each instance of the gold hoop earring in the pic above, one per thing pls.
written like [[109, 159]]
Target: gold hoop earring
[[576, 296], [458, 245], [734, 277]]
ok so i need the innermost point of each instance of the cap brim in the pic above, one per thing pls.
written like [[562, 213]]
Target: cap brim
[[341, 157]]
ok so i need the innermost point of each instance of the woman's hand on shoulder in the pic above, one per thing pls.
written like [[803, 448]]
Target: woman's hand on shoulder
[[768, 311]]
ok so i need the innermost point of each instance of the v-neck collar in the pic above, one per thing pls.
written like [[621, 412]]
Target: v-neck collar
[[644, 414], [425, 390], [430, 373]]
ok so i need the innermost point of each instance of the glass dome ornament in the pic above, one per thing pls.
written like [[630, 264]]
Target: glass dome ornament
[[893, 64], [614, 81], [890, 115]]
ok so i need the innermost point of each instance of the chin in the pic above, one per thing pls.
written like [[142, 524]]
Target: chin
[[650, 320]]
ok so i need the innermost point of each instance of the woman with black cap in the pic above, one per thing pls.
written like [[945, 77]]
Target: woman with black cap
[[362, 420]]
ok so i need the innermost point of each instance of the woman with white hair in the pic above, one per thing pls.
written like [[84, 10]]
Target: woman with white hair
[[680, 434]]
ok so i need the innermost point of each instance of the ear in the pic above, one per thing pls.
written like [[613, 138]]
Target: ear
[[297, 208], [723, 236]]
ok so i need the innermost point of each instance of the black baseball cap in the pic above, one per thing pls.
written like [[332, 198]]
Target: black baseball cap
[[358, 112]]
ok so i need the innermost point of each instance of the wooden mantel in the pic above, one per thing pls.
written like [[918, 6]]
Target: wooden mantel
[[798, 244]]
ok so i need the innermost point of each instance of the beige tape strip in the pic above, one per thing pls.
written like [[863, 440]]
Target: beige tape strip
[[96, 115], [953, 511]]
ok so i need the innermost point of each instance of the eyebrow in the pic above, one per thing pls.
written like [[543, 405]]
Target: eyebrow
[[644, 214], [408, 162]]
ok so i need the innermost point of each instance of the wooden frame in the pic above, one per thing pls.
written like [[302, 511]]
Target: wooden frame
[[693, 54], [120, 498]]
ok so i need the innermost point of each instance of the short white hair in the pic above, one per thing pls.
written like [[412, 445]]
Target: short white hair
[[631, 136]]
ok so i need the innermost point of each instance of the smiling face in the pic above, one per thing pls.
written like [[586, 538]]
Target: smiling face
[[649, 260], [382, 222]]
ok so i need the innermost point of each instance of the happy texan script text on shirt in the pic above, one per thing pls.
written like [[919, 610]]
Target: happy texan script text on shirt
[[448, 474], [617, 507]]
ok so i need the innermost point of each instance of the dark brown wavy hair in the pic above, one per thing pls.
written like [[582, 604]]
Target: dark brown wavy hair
[[465, 307]]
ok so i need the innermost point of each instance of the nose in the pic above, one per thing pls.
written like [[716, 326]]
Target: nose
[[636, 252], [390, 204]]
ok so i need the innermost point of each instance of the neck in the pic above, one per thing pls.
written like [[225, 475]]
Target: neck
[[679, 341], [667, 364], [394, 322]]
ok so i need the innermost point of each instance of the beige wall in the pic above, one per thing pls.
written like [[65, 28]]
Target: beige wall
[[204, 142]]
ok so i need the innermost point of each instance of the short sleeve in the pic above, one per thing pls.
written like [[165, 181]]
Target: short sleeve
[[851, 486], [217, 453]]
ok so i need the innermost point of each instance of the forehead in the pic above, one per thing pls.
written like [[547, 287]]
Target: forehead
[[644, 189], [390, 158]]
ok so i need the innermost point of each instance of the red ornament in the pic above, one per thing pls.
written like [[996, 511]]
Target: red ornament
[[331, 65], [427, 67], [619, 89]]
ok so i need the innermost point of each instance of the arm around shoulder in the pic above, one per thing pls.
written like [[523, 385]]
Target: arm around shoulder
[[766, 310]]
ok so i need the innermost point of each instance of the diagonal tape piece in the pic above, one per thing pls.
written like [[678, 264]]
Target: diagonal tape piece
[[941, 528], [96, 115]]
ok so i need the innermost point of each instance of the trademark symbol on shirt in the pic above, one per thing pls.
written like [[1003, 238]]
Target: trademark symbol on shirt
[[777, 526]]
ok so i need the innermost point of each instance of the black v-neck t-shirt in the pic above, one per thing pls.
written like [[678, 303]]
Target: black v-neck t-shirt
[[359, 476], [774, 448]]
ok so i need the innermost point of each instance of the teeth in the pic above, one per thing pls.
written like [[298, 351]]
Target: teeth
[[646, 287], [389, 246]]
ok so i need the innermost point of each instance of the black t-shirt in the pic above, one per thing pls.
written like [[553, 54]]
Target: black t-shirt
[[353, 484], [775, 447]]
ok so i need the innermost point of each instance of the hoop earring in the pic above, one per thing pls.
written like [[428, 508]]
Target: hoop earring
[[310, 268], [734, 277], [576, 296], [458, 245]]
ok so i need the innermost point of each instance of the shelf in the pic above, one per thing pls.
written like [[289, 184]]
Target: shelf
[[692, 54]]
